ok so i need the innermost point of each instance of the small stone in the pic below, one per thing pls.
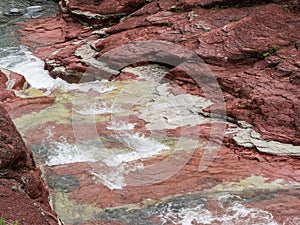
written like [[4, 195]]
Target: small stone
[[35, 8], [15, 11], [14, 188]]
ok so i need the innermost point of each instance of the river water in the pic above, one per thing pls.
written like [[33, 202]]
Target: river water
[[112, 157], [13, 55]]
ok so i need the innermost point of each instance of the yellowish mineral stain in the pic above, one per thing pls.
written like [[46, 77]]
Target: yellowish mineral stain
[[71, 211], [254, 183]]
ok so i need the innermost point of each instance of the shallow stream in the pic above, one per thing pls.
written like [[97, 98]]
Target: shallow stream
[[100, 140]]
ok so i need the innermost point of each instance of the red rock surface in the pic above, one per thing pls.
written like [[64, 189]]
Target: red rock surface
[[23, 194], [17, 206], [24, 197], [9, 94], [232, 164], [233, 41], [252, 50], [104, 7], [56, 34]]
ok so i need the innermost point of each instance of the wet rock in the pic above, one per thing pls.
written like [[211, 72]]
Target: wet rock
[[220, 38], [65, 183], [256, 63], [15, 11], [35, 8], [10, 81]]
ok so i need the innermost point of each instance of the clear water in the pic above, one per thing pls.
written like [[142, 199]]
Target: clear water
[[8, 34], [16, 57]]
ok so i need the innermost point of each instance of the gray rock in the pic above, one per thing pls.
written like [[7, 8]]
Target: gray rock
[[35, 8], [15, 11]]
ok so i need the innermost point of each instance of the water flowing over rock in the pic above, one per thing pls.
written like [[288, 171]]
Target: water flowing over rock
[[254, 59], [110, 141]]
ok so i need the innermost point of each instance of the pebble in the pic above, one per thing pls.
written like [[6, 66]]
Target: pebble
[[35, 8], [15, 11]]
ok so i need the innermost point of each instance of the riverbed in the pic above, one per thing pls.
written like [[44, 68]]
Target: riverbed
[[128, 151]]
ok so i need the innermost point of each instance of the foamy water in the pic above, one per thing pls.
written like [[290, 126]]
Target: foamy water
[[96, 108], [61, 152], [96, 86], [115, 164], [140, 147], [21, 60], [119, 164], [121, 126], [233, 214], [114, 177]]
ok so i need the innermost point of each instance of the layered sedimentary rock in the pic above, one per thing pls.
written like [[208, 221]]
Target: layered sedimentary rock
[[24, 196], [255, 60], [251, 49]]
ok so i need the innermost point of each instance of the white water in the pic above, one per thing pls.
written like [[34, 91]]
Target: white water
[[62, 152], [21, 60], [120, 164], [97, 86], [65, 153], [121, 126], [114, 178], [233, 214], [117, 165], [141, 148], [96, 108]]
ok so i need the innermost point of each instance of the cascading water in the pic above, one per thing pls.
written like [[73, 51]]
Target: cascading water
[[15, 56], [132, 121]]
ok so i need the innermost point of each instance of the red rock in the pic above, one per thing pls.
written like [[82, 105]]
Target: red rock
[[18, 107], [51, 34], [260, 85], [229, 166], [17, 206], [234, 39], [18, 168], [101, 12], [16, 157], [246, 79], [16, 80]]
